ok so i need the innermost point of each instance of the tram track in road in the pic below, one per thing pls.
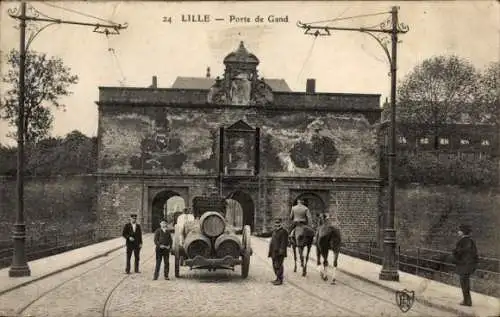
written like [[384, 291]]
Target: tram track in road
[[107, 302], [309, 293], [25, 307], [105, 306], [421, 313]]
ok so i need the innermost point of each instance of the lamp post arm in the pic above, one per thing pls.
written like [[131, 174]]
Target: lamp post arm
[[383, 45], [33, 35]]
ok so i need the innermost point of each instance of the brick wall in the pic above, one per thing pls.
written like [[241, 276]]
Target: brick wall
[[357, 209], [428, 216], [284, 100], [119, 196], [179, 141], [54, 205]]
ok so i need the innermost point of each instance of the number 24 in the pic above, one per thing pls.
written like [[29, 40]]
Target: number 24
[[167, 19]]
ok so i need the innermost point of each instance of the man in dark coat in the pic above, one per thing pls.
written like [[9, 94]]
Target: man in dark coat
[[133, 235], [163, 242], [466, 260], [277, 249]]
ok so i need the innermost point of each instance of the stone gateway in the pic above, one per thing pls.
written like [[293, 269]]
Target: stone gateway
[[249, 139]]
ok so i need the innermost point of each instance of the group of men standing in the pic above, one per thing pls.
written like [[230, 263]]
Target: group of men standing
[[465, 254], [132, 233]]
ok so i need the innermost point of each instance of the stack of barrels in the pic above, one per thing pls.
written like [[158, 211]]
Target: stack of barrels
[[210, 233]]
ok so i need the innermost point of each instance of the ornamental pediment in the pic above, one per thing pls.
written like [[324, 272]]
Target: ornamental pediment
[[240, 84]]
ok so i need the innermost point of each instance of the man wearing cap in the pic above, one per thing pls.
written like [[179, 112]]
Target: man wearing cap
[[299, 214], [163, 242], [277, 249], [466, 260], [133, 235]]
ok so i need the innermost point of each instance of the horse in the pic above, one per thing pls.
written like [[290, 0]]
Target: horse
[[303, 237], [328, 237]]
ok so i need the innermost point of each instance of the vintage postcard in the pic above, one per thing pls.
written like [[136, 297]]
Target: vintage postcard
[[260, 158]]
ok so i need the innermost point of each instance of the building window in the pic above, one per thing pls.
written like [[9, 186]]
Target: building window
[[464, 141], [424, 140], [402, 140], [485, 142], [444, 141]]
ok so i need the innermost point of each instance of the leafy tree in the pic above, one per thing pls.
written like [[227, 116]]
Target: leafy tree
[[75, 154], [488, 94], [47, 79], [438, 91]]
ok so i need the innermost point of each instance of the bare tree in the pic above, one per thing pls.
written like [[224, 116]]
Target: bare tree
[[439, 91], [47, 79], [488, 95]]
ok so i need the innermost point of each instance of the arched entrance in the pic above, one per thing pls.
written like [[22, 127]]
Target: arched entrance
[[314, 203], [241, 209], [234, 214], [166, 205]]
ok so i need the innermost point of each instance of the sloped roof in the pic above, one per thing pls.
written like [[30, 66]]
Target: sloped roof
[[205, 83]]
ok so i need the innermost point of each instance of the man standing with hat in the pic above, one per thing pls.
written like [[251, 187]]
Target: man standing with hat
[[133, 235], [277, 249], [466, 260], [163, 242]]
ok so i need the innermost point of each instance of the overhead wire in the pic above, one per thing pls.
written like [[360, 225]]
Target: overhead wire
[[313, 44], [308, 56], [348, 18], [78, 12]]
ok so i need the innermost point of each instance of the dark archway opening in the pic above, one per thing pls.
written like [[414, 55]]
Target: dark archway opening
[[244, 208], [166, 205], [314, 203]]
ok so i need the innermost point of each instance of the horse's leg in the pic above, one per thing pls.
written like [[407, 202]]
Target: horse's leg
[[301, 255], [294, 257], [334, 269], [304, 271], [325, 263]]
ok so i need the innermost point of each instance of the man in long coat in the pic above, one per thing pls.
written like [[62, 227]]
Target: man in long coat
[[277, 249], [466, 259], [133, 235]]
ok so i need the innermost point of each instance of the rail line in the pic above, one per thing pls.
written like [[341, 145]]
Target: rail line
[[120, 253], [311, 294], [345, 284], [23, 309], [107, 305]]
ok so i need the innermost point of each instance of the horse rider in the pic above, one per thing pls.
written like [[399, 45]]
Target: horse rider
[[299, 214]]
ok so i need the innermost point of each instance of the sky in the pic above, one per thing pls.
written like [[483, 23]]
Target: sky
[[344, 62]]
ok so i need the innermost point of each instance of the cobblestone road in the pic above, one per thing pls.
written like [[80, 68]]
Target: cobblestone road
[[100, 288]]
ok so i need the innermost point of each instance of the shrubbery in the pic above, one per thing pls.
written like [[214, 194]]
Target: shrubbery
[[434, 168]]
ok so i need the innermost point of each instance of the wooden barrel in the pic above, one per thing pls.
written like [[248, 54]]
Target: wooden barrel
[[228, 244], [212, 224], [197, 244]]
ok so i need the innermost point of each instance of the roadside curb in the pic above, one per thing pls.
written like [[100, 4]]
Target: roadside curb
[[419, 299], [103, 254]]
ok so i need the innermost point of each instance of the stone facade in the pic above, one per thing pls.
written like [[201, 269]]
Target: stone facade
[[261, 147]]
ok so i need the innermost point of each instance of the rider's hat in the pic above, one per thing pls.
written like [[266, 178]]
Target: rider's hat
[[133, 215]]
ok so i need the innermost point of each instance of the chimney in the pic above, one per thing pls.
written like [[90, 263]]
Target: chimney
[[311, 86], [208, 72], [155, 82]]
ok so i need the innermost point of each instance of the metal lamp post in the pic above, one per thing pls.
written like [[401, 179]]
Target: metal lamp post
[[392, 27], [19, 266]]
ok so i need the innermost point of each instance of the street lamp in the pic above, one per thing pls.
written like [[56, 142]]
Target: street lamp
[[392, 27], [19, 266]]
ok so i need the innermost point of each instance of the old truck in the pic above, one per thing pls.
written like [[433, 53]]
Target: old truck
[[209, 242]]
